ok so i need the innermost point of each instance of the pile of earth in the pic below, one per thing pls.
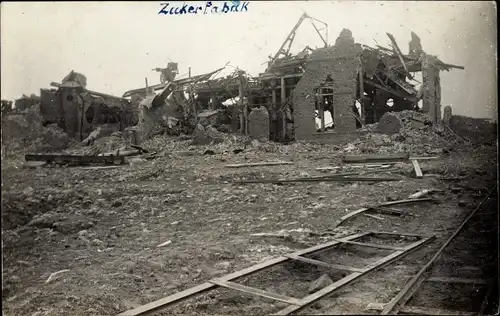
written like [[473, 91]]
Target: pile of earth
[[24, 132]]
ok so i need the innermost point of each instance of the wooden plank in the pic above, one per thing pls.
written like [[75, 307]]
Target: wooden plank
[[163, 302], [332, 178], [362, 244], [394, 306], [258, 164], [456, 280], [389, 211], [375, 158], [416, 166], [74, 158], [424, 158], [324, 264], [310, 299], [254, 291], [166, 301], [364, 209], [100, 167]]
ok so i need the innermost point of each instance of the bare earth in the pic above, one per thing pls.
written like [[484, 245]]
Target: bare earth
[[104, 227]]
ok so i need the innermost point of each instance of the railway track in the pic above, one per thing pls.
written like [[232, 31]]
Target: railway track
[[462, 276], [463, 263]]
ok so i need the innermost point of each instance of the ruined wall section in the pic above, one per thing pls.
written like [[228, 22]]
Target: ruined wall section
[[340, 62], [432, 90]]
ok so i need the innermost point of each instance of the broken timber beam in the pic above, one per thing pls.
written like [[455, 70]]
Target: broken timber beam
[[332, 178], [257, 164], [398, 51], [375, 158], [364, 209], [76, 159], [390, 90]]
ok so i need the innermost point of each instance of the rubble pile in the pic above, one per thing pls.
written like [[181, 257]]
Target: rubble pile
[[409, 131], [205, 136], [99, 146], [25, 132]]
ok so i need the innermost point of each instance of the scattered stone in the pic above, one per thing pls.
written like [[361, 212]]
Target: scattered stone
[[136, 161], [29, 191], [397, 138], [205, 136], [97, 242], [14, 279], [46, 220], [377, 140], [320, 283], [128, 266], [214, 135], [199, 136], [389, 124], [156, 265], [462, 203], [391, 198], [117, 203], [224, 265]]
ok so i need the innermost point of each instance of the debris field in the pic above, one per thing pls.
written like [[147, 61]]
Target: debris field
[[113, 203]]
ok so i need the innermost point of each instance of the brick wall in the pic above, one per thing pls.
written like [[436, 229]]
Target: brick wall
[[341, 63]]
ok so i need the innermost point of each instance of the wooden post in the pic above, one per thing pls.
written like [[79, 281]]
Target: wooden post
[[189, 72], [243, 116], [274, 109], [147, 87], [283, 113], [361, 96]]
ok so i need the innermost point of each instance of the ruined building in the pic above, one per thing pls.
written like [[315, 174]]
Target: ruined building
[[354, 83]]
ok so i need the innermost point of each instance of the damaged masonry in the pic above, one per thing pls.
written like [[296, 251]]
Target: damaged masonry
[[215, 195], [356, 84]]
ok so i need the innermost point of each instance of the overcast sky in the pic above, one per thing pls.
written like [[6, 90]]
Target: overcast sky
[[117, 44]]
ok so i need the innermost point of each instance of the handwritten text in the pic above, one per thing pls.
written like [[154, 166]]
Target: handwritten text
[[232, 6]]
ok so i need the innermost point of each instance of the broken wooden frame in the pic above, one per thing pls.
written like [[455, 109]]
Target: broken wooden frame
[[398, 302], [76, 159], [295, 304]]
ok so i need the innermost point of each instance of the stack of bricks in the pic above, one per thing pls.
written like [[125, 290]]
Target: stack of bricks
[[341, 63]]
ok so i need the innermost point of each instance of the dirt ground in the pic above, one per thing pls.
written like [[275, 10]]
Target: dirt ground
[[105, 227]]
